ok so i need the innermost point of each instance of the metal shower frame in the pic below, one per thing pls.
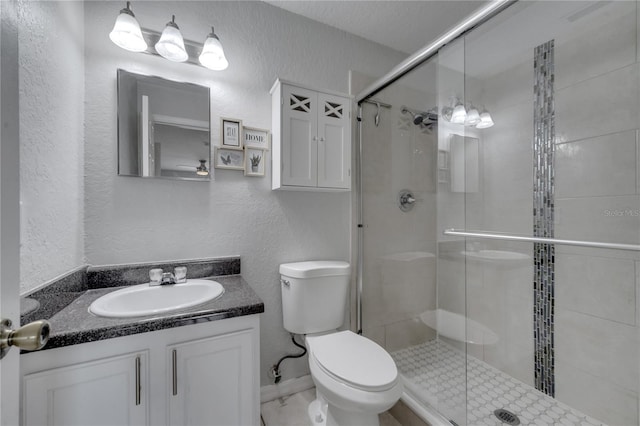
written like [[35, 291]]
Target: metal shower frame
[[396, 73]]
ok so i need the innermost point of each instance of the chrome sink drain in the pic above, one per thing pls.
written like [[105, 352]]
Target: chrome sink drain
[[507, 417]]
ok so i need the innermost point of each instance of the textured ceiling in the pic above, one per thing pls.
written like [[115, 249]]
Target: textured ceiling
[[406, 26]]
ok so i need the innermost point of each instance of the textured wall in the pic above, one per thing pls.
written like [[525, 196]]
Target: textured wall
[[133, 220], [51, 140]]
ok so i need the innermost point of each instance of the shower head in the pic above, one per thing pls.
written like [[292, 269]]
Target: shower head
[[419, 118]]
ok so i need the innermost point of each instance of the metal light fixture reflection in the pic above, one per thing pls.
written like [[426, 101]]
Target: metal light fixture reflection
[[171, 45], [459, 114], [201, 170], [212, 55], [473, 117], [485, 120], [126, 32]]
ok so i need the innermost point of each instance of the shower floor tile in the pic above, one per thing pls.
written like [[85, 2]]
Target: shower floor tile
[[434, 372]]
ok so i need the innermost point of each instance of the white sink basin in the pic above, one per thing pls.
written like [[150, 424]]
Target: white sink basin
[[141, 300]]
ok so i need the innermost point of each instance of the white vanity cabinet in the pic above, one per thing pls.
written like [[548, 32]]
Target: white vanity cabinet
[[199, 368], [203, 374], [311, 139], [105, 391]]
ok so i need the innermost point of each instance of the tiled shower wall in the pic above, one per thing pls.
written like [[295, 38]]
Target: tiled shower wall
[[597, 184]]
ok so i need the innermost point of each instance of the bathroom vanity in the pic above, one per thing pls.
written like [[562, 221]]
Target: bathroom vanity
[[192, 367]]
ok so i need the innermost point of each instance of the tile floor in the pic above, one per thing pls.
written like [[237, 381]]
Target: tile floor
[[436, 372], [292, 411]]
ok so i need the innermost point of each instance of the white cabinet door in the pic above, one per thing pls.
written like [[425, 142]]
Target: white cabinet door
[[212, 381], [334, 147], [111, 392], [299, 136]]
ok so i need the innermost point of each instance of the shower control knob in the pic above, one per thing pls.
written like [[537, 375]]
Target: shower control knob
[[406, 200]]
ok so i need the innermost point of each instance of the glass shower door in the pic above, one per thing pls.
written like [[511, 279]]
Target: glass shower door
[[561, 83]]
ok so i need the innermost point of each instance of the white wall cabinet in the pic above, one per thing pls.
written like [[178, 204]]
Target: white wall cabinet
[[204, 374], [311, 139]]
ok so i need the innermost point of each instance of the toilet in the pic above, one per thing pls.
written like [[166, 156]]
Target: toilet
[[355, 378]]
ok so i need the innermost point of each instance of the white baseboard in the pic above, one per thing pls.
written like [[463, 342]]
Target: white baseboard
[[286, 388]]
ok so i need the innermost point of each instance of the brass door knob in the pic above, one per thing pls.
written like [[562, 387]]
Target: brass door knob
[[30, 337]]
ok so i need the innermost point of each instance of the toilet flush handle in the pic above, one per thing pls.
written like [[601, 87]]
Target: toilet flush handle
[[284, 282]]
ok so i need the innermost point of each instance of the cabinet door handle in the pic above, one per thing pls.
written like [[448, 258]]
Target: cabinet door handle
[[321, 139], [174, 362], [315, 138], [138, 384]]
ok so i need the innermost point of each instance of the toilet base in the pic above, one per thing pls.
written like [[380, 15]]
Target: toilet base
[[321, 414]]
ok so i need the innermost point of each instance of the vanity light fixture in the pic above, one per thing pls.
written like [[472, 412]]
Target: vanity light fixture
[[212, 55], [459, 114], [473, 116], [171, 45], [128, 35], [202, 170], [126, 32], [485, 120]]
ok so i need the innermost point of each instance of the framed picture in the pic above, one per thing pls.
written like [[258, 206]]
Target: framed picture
[[256, 138], [230, 159], [230, 132], [254, 161]]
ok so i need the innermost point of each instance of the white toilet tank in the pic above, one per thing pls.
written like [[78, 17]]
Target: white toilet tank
[[314, 295]]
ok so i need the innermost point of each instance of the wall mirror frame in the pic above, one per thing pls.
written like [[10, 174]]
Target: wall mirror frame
[[164, 128]]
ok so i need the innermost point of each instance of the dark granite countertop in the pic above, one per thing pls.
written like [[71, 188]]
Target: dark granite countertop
[[74, 324]]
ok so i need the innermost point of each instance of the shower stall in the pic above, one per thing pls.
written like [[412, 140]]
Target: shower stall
[[499, 217]]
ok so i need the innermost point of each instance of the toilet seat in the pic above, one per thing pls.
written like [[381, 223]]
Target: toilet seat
[[354, 360]]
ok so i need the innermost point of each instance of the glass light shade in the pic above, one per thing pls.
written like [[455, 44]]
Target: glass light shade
[[212, 55], [485, 121], [171, 45], [473, 117], [126, 32], [459, 114]]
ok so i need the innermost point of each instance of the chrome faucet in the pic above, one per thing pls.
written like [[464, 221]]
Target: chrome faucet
[[159, 277], [168, 278]]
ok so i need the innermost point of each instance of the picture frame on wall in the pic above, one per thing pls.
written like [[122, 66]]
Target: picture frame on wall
[[254, 161], [256, 138], [230, 133], [229, 159]]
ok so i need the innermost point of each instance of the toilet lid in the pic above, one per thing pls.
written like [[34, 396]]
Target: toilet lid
[[356, 360]]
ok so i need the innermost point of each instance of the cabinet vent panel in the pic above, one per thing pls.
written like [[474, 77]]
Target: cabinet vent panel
[[333, 110], [300, 103]]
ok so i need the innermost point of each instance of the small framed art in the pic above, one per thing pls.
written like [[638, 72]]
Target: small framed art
[[254, 161], [230, 159], [230, 133], [256, 138]]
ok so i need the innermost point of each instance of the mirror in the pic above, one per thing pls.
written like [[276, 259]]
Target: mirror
[[163, 128]]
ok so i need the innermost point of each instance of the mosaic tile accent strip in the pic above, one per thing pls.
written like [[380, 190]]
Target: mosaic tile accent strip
[[543, 216], [433, 371]]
